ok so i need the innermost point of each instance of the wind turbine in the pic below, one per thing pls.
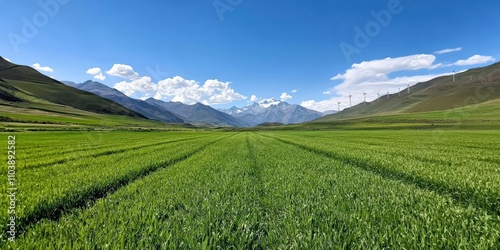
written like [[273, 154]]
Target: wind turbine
[[378, 94], [387, 93], [399, 91], [350, 102], [338, 105], [364, 94], [454, 75], [408, 88]]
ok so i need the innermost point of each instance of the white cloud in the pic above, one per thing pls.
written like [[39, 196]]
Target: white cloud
[[444, 51], [253, 98], [94, 71], [7, 59], [220, 92], [143, 84], [380, 69], [123, 71], [38, 67], [475, 59], [100, 76], [182, 90], [97, 73], [320, 106], [294, 91], [284, 96]]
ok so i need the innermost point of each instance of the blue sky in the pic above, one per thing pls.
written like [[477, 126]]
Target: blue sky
[[225, 52]]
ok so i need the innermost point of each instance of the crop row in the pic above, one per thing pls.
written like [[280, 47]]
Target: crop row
[[50, 191], [253, 191], [465, 175], [83, 145], [54, 157]]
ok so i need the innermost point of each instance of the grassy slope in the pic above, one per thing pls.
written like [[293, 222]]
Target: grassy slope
[[58, 93], [29, 99], [471, 87]]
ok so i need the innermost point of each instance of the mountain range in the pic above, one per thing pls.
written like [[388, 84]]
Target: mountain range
[[27, 96], [199, 114], [141, 107], [269, 110], [171, 112], [273, 111]]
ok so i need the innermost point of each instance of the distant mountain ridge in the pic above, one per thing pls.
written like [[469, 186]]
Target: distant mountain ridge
[[199, 114], [150, 111], [273, 111]]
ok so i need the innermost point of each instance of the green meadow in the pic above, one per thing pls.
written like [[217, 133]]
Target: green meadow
[[331, 189]]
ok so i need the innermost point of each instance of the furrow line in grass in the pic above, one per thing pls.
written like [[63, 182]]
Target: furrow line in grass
[[87, 198], [256, 174], [464, 196], [108, 152]]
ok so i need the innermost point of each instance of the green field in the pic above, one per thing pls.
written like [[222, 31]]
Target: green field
[[397, 189]]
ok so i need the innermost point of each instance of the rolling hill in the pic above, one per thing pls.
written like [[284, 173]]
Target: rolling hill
[[474, 86]]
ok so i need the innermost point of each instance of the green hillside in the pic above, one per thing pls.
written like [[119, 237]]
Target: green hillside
[[474, 86], [485, 115], [29, 99], [24, 84]]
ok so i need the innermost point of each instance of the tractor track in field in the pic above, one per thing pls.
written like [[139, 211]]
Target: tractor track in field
[[104, 153], [88, 198], [463, 196]]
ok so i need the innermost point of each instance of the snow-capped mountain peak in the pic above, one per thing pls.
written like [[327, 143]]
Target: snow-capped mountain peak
[[266, 103], [273, 110]]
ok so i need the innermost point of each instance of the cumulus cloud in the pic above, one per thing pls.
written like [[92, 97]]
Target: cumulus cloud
[[94, 71], [320, 106], [444, 51], [100, 76], [253, 98], [123, 71], [97, 73], [284, 96], [380, 69], [142, 84], [294, 91], [38, 67], [182, 90], [473, 60], [372, 77]]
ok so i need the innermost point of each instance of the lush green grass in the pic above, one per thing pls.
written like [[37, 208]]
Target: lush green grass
[[329, 190], [48, 117], [56, 180], [479, 116]]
